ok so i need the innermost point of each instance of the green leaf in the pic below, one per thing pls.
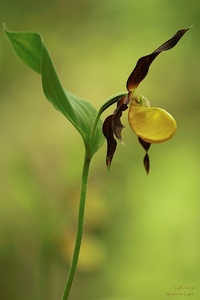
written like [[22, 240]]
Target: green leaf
[[53, 89], [30, 49], [27, 46]]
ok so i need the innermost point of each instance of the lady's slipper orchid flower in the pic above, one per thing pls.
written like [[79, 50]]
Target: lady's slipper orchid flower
[[150, 124]]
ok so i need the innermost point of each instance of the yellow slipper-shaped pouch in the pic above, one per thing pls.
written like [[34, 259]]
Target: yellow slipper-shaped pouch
[[152, 124]]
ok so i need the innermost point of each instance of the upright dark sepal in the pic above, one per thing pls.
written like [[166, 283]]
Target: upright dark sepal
[[141, 69]]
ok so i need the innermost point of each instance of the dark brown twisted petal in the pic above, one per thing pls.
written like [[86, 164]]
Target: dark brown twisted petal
[[143, 64], [117, 125], [113, 126], [111, 142], [146, 163], [146, 160]]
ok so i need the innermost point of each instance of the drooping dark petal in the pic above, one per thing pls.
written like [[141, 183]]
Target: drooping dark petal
[[141, 69], [144, 144], [117, 125], [146, 160], [111, 142], [113, 126]]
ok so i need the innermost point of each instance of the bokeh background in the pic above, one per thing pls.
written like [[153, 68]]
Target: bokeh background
[[141, 237]]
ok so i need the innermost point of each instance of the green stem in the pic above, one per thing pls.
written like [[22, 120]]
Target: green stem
[[108, 103], [80, 226], [81, 212]]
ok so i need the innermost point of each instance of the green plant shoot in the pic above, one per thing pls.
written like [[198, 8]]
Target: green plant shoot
[[150, 124]]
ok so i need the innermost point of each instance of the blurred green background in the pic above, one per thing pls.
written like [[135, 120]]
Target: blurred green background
[[141, 232]]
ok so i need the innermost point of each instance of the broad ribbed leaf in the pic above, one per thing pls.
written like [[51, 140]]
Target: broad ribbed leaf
[[30, 48], [53, 89]]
